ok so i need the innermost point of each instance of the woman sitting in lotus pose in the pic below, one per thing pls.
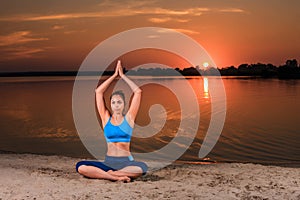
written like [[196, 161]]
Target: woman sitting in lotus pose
[[119, 163]]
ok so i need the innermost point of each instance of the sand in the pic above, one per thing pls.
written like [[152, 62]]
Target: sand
[[26, 176]]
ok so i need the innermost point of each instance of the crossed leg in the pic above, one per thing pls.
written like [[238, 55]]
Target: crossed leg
[[129, 171], [95, 172]]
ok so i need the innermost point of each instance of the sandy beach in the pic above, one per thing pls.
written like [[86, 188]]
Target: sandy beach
[[26, 176]]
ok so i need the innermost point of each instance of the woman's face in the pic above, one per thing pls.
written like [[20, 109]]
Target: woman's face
[[117, 104]]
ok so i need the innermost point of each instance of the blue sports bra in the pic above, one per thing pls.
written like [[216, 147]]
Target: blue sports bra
[[120, 133]]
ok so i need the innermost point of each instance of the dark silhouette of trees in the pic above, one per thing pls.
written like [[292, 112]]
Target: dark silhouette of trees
[[290, 70], [229, 71], [292, 63]]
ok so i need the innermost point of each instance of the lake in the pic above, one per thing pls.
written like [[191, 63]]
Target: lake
[[262, 118]]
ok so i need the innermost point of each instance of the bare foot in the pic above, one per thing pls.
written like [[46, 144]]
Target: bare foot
[[114, 173], [125, 179], [111, 172], [119, 177]]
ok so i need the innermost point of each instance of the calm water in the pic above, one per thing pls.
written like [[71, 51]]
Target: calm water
[[262, 121]]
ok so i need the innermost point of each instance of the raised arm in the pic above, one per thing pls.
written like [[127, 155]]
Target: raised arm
[[136, 99], [103, 112]]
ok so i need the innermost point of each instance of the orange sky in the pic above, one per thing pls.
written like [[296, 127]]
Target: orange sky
[[58, 34]]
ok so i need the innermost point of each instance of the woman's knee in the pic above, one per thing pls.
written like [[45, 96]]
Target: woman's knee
[[82, 169], [143, 167], [79, 164]]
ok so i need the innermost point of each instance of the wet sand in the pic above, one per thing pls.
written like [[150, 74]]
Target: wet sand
[[26, 176]]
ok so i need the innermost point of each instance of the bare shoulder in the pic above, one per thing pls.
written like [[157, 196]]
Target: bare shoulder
[[105, 118], [129, 119]]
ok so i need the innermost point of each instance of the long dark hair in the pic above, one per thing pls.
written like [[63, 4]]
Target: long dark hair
[[118, 92]]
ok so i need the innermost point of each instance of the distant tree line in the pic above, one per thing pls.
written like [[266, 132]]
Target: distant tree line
[[290, 70]]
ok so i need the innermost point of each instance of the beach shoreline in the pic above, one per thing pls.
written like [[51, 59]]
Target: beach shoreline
[[28, 176]]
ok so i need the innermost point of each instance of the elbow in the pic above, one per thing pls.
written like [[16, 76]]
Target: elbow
[[98, 91], [138, 91]]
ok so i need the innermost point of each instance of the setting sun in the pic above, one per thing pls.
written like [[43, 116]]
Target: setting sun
[[205, 64]]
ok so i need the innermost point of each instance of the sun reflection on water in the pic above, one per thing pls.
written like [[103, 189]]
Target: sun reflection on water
[[205, 86]]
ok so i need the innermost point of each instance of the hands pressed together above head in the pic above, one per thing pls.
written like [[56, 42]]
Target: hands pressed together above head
[[119, 69]]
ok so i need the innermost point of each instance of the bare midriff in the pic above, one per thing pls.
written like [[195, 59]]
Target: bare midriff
[[118, 149]]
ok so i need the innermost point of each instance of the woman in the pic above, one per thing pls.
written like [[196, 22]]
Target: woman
[[119, 164]]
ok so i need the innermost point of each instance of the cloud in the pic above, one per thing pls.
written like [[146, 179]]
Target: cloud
[[19, 37], [153, 36], [10, 53], [182, 20], [171, 30], [74, 31], [129, 3], [12, 45], [166, 19], [57, 27], [159, 20], [132, 8], [232, 10], [111, 13], [187, 31]]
